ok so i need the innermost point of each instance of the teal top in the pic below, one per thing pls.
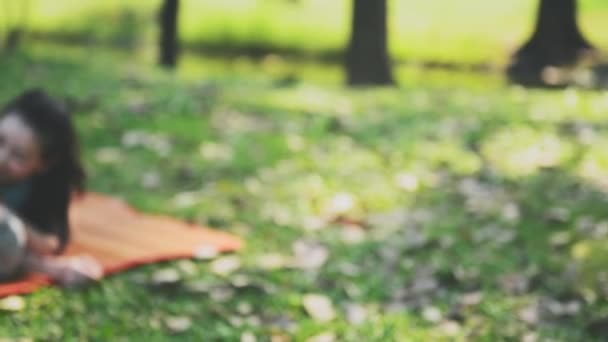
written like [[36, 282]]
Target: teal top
[[14, 195]]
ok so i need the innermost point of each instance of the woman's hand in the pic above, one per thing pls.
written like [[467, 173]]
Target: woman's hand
[[40, 243], [76, 271], [68, 271]]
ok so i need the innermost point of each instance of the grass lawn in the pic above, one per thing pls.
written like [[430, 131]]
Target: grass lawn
[[452, 208]]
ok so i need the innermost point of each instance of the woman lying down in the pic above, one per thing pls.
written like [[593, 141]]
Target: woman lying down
[[39, 170]]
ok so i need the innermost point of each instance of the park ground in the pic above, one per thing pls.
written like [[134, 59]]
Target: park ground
[[454, 207]]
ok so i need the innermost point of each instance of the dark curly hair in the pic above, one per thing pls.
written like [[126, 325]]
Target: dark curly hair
[[47, 204]]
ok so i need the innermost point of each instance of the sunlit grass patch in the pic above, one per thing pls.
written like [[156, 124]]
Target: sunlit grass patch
[[594, 164], [521, 151]]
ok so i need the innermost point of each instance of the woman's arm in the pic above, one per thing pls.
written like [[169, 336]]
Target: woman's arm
[[36, 242]]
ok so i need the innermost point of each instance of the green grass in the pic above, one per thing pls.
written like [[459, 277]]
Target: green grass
[[441, 31], [431, 172]]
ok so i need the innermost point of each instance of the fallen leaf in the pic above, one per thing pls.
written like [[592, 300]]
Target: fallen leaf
[[396, 306], [349, 269], [160, 144], [339, 204], [216, 151], [468, 275], [186, 199], [558, 214], [414, 238], [600, 230], [471, 299], [319, 307], [351, 234], [389, 221], [355, 313], [312, 223], [178, 324], [151, 180], [12, 303], [272, 261], [137, 104], [561, 309], [423, 284], [407, 181], [530, 337], [488, 233], [450, 328], [133, 138], [432, 314], [244, 308], [282, 322], [248, 336], [309, 254], [560, 239], [221, 293], [514, 283], [198, 286], [187, 266], [243, 283], [511, 212], [236, 321], [206, 252], [390, 252], [165, 277], [530, 315], [225, 265], [323, 337], [353, 290], [585, 225], [446, 241], [295, 142], [108, 155], [254, 321], [279, 338], [504, 236], [481, 198], [240, 280]]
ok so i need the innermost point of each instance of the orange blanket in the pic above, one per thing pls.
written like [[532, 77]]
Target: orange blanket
[[120, 238]]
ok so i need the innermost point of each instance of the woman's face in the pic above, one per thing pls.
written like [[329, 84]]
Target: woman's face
[[20, 154]]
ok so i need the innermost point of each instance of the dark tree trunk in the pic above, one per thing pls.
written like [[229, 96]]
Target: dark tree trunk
[[13, 38], [556, 42], [367, 60], [16, 17], [169, 42]]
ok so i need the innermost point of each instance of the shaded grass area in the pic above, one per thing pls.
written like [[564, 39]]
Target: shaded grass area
[[447, 209], [471, 33]]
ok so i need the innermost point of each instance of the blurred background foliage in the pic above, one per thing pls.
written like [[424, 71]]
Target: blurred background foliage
[[472, 32]]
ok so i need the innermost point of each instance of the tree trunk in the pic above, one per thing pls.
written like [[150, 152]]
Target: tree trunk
[[169, 42], [16, 17], [367, 60], [13, 38], [556, 42]]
